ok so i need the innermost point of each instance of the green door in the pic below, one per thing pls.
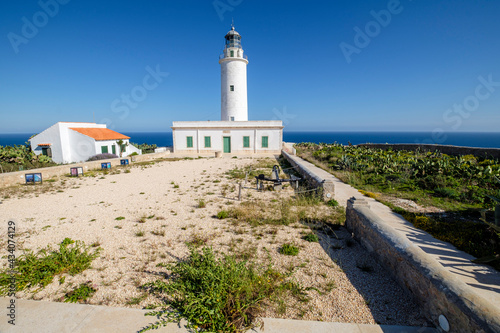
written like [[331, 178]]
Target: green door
[[227, 144]]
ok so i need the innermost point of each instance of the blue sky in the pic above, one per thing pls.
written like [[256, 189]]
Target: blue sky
[[408, 65]]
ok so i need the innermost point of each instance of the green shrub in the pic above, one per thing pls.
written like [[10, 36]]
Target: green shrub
[[332, 203], [80, 294], [311, 237], [216, 294], [446, 193], [202, 203], [223, 214], [21, 157], [289, 250], [38, 269]]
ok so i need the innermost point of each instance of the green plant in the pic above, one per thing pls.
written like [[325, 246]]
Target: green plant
[[139, 233], [332, 203], [80, 294], [201, 203], [144, 147], [122, 146], [289, 250], [38, 269], [137, 300], [215, 294], [311, 237], [119, 218], [223, 214]]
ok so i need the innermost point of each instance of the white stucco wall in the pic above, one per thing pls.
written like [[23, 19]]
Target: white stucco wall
[[50, 135], [129, 149], [235, 130], [80, 147]]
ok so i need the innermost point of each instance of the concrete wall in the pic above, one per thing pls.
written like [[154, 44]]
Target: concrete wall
[[436, 289], [448, 150], [16, 178], [314, 181]]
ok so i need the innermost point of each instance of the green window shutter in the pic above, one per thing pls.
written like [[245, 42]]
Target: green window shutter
[[44, 151], [208, 143], [190, 142], [104, 149], [265, 142], [113, 149], [246, 142]]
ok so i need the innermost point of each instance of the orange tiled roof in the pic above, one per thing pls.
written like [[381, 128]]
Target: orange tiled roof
[[100, 134], [45, 144]]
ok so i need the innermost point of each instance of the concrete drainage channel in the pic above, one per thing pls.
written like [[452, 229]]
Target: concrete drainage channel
[[448, 300]]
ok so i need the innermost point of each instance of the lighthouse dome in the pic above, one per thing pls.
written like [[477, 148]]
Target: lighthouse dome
[[233, 39]]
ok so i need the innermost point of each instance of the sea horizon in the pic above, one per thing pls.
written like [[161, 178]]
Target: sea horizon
[[464, 139]]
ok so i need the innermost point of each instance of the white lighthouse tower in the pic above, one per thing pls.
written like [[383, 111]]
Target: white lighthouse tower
[[234, 134], [234, 106]]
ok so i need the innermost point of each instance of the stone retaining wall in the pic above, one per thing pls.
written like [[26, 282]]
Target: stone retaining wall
[[448, 150], [436, 289], [314, 180], [16, 178]]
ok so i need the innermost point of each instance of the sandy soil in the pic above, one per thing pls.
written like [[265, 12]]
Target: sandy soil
[[159, 204]]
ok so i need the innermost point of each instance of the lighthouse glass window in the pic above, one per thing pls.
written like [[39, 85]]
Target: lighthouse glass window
[[231, 88]]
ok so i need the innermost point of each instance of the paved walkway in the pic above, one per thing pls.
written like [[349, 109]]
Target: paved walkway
[[484, 281], [51, 317]]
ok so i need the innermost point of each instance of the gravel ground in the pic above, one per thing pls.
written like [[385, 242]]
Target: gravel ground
[[160, 207]]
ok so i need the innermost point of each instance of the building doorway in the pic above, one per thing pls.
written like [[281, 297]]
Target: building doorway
[[227, 144]]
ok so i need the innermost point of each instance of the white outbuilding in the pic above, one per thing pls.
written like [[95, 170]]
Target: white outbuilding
[[70, 142], [233, 133]]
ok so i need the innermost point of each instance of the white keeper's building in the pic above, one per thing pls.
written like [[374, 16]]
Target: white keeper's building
[[233, 133]]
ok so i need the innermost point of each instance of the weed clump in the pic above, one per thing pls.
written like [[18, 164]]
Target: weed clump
[[80, 294], [311, 237], [202, 203], [332, 203], [223, 214], [39, 269], [289, 250], [215, 294]]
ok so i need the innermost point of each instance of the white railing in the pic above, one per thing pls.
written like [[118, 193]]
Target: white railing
[[222, 56]]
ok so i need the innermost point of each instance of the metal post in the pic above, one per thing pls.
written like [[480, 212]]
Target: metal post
[[239, 192], [497, 215]]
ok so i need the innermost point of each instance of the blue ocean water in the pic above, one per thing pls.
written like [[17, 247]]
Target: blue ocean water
[[469, 139]]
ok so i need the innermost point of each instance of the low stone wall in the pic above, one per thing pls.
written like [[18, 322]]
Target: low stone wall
[[313, 179], [16, 178], [436, 289], [448, 150]]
